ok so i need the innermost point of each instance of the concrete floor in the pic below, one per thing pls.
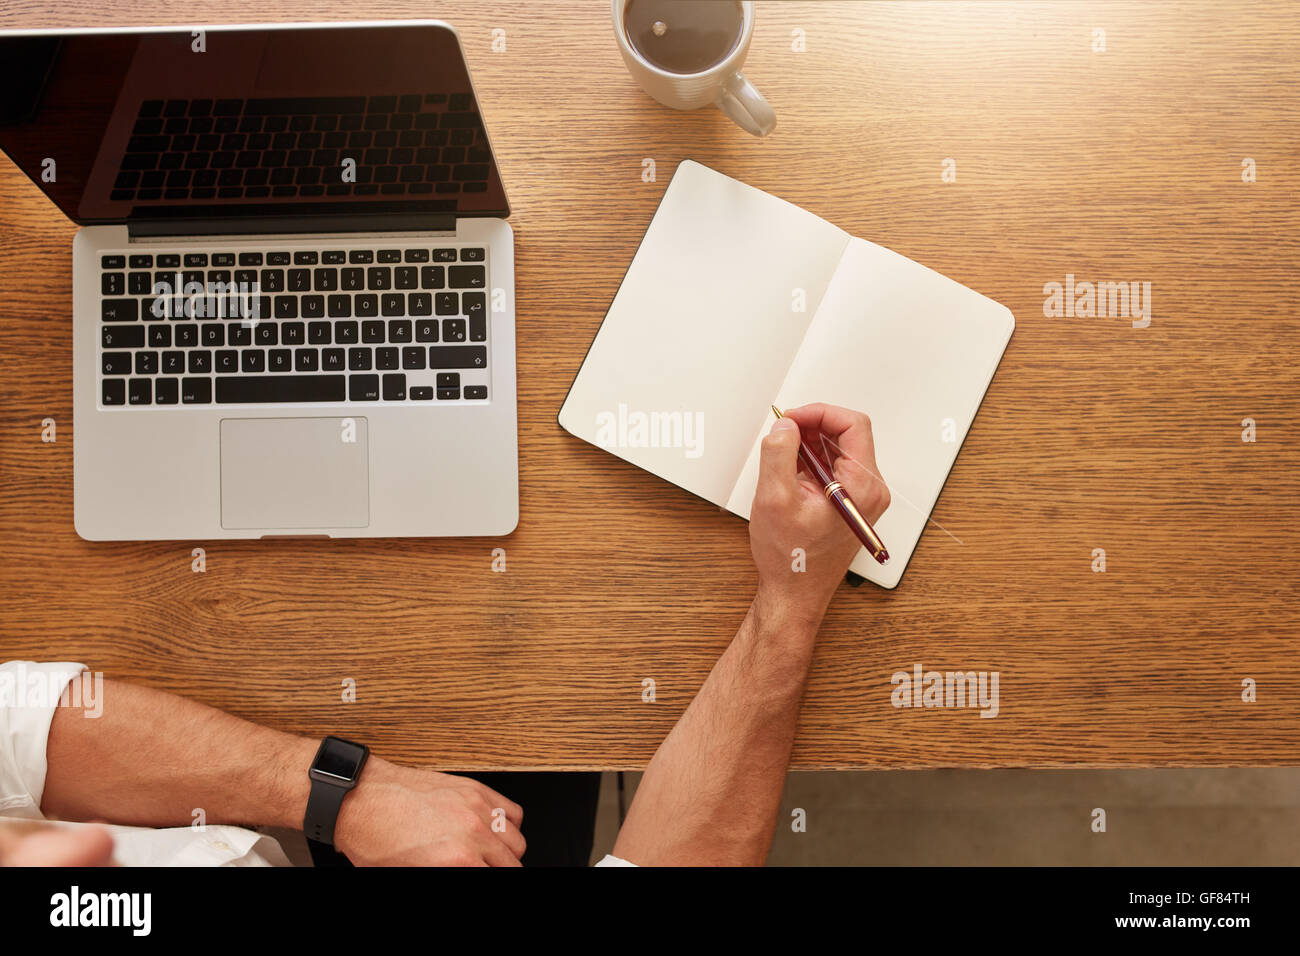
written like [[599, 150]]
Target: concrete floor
[[1027, 817]]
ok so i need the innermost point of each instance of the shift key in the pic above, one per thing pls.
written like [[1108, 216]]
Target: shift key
[[457, 356]]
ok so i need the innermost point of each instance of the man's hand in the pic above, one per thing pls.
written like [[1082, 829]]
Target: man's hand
[[790, 509], [398, 816]]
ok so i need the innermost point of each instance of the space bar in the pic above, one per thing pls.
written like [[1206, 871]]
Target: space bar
[[281, 388]]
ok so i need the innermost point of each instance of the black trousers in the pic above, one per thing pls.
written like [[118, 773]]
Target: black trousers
[[559, 813]]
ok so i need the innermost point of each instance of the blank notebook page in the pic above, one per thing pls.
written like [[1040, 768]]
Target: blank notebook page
[[706, 322]]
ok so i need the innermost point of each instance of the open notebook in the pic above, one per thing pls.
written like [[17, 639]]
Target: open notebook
[[737, 300]]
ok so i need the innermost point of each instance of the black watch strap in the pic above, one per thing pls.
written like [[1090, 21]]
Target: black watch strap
[[323, 807]]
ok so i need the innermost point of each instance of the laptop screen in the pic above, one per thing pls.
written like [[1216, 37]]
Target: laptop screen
[[133, 127]]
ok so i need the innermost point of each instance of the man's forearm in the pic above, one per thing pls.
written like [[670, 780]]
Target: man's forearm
[[712, 791], [152, 759]]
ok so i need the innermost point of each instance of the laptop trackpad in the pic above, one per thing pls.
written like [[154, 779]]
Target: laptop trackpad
[[294, 473]]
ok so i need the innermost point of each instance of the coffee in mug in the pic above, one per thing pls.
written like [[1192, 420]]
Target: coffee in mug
[[688, 53]]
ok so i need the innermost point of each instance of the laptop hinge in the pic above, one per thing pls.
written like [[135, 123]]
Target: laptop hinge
[[271, 225]]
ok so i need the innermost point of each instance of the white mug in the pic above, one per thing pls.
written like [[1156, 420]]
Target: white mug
[[721, 85]]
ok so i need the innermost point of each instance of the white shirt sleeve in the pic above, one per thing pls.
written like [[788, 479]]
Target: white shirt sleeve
[[29, 694], [611, 860]]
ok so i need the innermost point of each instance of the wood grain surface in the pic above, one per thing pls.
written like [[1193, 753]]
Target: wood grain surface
[[1121, 165]]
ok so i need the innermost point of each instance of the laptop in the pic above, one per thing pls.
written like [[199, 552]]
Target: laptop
[[293, 285]]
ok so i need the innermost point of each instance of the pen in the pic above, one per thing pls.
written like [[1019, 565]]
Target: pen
[[837, 496]]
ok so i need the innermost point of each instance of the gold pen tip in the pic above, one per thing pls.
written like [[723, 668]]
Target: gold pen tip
[[777, 412]]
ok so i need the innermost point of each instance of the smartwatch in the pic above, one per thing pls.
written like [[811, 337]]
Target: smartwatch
[[335, 771]]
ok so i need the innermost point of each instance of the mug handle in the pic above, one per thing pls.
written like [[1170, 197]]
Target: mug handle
[[746, 105]]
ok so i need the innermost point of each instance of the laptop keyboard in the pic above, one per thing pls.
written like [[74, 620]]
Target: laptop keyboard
[[186, 150], [288, 325]]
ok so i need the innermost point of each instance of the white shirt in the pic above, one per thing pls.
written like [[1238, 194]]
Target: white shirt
[[29, 694]]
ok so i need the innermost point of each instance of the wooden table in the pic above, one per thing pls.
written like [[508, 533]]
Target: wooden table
[[1122, 165]]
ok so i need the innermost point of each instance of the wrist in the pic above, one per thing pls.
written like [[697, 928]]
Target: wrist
[[783, 616], [797, 615], [358, 805]]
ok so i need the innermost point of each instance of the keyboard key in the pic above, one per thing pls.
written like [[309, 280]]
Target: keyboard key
[[227, 360], [467, 277], [160, 335], [326, 280], [332, 360], [241, 335], [122, 337], [457, 356], [447, 380], [433, 277], [250, 258], [304, 258], [139, 283], [146, 363], [318, 333], [187, 335], [293, 333], [334, 257], [200, 361], [359, 360], [116, 363], [399, 330], [168, 261], [272, 280], [426, 331], [223, 260], [389, 255], [361, 256], [256, 389], [252, 360], [394, 388], [448, 394], [475, 391], [406, 277], [413, 357], [139, 262], [473, 255], [339, 306], [212, 334], [277, 258], [306, 360], [166, 391], [372, 331], [112, 262], [279, 360], [345, 333], [366, 305], [386, 358], [352, 280], [313, 306], [140, 391], [266, 334], [419, 303], [379, 278], [444, 255], [196, 391], [421, 393], [446, 303], [119, 310], [363, 388], [173, 363], [417, 255], [453, 330], [299, 280], [393, 303], [113, 391], [196, 260]]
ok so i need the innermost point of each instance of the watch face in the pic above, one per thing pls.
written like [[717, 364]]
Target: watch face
[[339, 758]]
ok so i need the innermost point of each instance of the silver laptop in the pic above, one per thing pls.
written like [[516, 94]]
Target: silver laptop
[[293, 288]]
